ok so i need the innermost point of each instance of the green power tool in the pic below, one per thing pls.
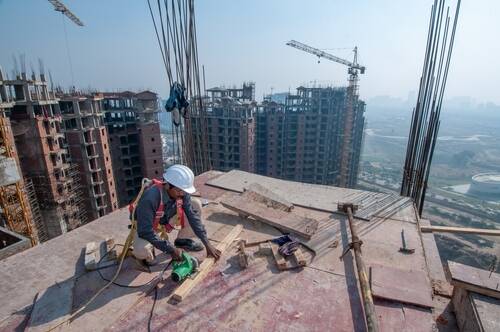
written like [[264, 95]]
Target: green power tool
[[184, 268]]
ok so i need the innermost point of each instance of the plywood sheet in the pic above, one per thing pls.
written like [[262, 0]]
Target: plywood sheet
[[406, 286], [286, 221], [320, 197], [477, 280]]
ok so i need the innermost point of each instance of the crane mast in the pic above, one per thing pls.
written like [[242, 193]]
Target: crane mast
[[354, 69]]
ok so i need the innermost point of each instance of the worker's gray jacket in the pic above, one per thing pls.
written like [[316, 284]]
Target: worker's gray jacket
[[146, 211]]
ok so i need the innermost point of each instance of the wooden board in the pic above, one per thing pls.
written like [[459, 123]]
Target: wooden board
[[473, 279], [280, 260], [313, 196], [285, 221], [299, 258], [183, 290], [258, 193], [411, 287], [463, 230]]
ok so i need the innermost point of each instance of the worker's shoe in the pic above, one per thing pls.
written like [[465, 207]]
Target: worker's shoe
[[188, 244]]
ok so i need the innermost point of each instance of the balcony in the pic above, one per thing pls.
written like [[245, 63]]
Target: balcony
[[87, 143], [96, 182], [102, 206]]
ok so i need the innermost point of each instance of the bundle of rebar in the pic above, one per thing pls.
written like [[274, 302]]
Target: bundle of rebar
[[175, 30], [425, 118]]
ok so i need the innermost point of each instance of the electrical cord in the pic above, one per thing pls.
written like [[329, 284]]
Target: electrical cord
[[129, 286]]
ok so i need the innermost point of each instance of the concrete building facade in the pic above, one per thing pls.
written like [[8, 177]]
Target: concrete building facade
[[302, 139], [231, 128], [87, 142], [42, 152], [131, 120]]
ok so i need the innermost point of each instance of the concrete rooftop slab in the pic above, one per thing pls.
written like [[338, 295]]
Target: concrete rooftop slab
[[322, 296]]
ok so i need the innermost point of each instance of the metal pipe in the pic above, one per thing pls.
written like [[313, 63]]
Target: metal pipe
[[369, 306]]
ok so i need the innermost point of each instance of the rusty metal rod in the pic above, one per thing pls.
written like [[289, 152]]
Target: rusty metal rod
[[369, 307]]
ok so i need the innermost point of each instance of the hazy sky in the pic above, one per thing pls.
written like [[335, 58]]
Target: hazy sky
[[245, 41]]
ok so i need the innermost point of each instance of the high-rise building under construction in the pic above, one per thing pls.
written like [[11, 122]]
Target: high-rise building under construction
[[131, 120], [43, 157], [87, 142], [229, 115], [303, 139], [308, 136]]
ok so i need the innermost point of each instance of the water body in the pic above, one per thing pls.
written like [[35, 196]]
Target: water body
[[471, 138]]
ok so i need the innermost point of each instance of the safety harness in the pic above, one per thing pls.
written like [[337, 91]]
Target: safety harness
[[160, 211]]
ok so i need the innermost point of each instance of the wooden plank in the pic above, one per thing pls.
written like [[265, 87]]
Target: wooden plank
[[473, 279], [242, 256], [463, 230], [280, 260], [313, 196], [183, 290], [411, 287], [286, 221], [299, 258], [258, 193]]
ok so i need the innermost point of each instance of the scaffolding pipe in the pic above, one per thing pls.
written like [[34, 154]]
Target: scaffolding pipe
[[368, 305]]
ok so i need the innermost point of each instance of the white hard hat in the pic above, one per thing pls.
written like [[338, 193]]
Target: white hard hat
[[181, 177]]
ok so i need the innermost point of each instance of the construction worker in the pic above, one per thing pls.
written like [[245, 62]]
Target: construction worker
[[169, 205]]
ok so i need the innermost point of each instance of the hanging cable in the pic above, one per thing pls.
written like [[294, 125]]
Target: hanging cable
[[68, 52]]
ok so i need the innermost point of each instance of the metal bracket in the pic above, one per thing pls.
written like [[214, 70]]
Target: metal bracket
[[349, 247]]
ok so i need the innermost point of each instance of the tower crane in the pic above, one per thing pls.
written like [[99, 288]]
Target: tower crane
[[60, 7], [346, 164], [354, 67]]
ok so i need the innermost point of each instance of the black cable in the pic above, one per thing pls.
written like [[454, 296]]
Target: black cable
[[160, 276], [152, 308]]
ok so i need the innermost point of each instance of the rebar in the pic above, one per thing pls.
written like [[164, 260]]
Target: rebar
[[425, 121]]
